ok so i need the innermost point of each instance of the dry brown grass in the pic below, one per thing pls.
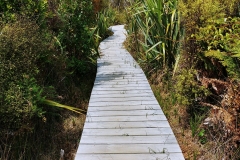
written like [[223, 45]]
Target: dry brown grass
[[221, 137], [178, 118]]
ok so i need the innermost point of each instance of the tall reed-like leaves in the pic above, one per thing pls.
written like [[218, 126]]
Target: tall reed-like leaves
[[104, 19], [159, 23]]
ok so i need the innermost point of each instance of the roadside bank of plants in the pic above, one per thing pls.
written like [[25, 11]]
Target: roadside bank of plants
[[189, 51]]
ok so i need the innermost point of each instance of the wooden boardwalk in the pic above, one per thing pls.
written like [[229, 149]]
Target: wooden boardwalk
[[124, 120]]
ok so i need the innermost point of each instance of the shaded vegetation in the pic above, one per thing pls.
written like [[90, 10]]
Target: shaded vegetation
[[48, 52]]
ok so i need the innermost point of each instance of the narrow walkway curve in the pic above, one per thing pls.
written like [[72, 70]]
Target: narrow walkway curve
[[124, 120]]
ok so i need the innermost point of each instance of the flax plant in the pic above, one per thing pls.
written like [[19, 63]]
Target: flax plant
[[58, 105], [158, 22]]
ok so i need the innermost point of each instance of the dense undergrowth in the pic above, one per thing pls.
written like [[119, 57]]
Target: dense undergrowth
[[48, 52], [190, 52]]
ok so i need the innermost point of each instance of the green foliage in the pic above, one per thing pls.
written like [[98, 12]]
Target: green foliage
[[187, 88], [211, 39], [231, 7], [202, 136], [20, 45], [117, 4], [21, 103], [197, 12], [195, 121], [74, 34], [29, 8], [158, 22], [30, 61], [46, 49], [119, 8], [105, 19], [220, 41]]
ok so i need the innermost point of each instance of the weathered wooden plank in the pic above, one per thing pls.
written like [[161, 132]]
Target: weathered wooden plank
[[109, 79], [124, 93], [125, 118], [123, 88], [148, 156], [118, 69], [133, 83], [121, 79], [129, 148], [109, 73], [139, 79], [121, 84], [124, 66], [121, 61], [126, 103], [127, 88], [121, 95], [111, 53], [127, 74], [133, 93], [102, 76], [124, 63], [125, 108], [125, 113], [127, 139], [110, 99], [115, 54], [127, 131], [118, 58], [119, 125], [113, 74]]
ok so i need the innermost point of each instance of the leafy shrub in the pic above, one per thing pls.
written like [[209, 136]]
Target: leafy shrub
[[29, 8], [211, 40], [21, 104], [220, 42], [20, 46], [187, 89], [74, 35], [196, 13]]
